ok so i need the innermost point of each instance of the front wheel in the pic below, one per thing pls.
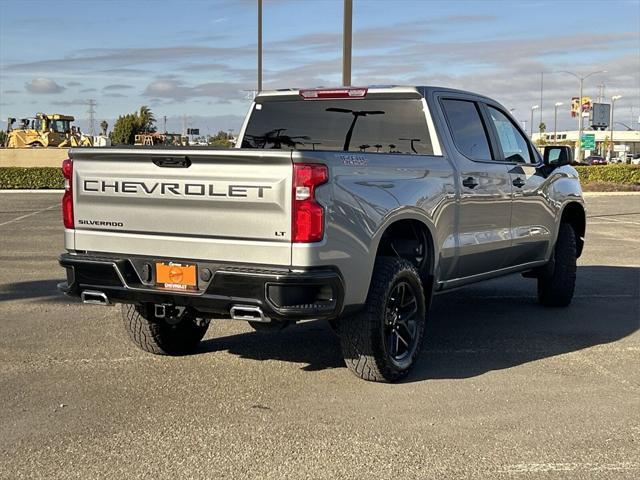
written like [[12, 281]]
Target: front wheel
[[382, 342], [556, 286], [163, 336]]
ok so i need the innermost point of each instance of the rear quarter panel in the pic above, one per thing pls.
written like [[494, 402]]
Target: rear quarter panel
[[368, 192]]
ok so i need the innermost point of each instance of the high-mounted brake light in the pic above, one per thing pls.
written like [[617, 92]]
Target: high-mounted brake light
[[67, 198], [325, 93], [307, 215]]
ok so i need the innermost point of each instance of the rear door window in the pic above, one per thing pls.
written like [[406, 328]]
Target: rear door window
[[467, 129], [363, 125]]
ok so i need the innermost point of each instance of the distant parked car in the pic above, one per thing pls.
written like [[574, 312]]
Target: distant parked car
[[595, 160]]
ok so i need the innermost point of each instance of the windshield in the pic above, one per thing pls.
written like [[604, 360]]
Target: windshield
[[60, 126], [384, 126]]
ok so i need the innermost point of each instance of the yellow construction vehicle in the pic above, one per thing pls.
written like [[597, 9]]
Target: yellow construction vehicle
[[45, 130]]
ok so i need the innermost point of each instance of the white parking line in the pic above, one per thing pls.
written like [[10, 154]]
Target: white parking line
[[17, 219]]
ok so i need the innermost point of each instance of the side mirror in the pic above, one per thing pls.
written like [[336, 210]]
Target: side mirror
[[557, 156]]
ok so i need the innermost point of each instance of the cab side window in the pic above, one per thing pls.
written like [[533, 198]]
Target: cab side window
[[514, 146], [467, 129]]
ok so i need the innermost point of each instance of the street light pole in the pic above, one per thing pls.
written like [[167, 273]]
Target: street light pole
[[535, 107], [555, 120], [346, 42], [259, 46], [613, 102], [582, 78]]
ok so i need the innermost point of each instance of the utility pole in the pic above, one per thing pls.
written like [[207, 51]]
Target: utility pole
[[541, 96], [92, 112], [600, 98], [346, 42], [613, 102], [534, 108], [555, 121], [259, 45]]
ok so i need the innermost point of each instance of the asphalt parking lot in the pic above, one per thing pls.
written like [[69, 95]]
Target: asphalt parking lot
[[504, 387]]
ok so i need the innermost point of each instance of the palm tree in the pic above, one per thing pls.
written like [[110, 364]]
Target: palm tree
[[147, 119]]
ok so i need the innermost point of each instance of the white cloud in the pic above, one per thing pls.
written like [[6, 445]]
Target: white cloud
[[43, 85]]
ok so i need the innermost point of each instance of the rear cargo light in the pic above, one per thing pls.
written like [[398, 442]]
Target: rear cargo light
[[322, 93], [67, 198], [307, 215]]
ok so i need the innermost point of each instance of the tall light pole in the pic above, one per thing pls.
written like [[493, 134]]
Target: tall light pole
[[541, 95], [346, 42], [259, 46], [613, 102], [582, 78], [555, 120], [534, 108]]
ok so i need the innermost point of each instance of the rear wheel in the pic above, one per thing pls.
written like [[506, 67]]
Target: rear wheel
[[179, 335], [382, 342], [557, 284]]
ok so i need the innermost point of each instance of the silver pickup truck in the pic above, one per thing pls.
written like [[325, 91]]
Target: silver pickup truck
[[352, 205]]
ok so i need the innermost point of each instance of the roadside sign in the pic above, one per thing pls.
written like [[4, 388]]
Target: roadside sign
[[600, 115], [588, 141]]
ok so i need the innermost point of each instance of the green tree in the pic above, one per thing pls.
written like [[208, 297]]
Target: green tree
[[542, 128], [128, 126], [3, 138], [221, 139], [125, 129]]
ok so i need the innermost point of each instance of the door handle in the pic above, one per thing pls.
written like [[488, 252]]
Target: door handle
[[518, 182], [470, 182], [172, 162]]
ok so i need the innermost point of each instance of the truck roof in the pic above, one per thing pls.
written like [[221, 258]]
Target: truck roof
[[377, 90]]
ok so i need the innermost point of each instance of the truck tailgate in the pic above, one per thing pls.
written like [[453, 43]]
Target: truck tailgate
[[221, 205]]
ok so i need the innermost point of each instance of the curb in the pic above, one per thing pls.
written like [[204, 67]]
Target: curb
[[611, 194], [16, 190]]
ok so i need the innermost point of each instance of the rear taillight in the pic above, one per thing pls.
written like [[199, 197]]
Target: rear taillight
[[67, 198], [307, 215]]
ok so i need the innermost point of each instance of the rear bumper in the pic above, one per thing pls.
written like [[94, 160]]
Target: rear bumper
[[280, 293]]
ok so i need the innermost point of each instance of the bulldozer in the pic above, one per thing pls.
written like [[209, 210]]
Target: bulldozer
[[45, 130]]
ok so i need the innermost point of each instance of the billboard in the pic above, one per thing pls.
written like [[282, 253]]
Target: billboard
[[600, 113], [575, 105]]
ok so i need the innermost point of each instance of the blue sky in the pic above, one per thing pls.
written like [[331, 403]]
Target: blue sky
[[197, 57]]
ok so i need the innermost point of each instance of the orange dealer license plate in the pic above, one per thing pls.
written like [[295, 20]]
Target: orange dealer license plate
[[176, 276]]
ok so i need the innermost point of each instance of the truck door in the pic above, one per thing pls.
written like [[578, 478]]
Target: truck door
[[483, 238], [532, 215]]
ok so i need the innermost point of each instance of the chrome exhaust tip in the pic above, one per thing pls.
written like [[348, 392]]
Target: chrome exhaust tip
[[93, 297], [248, 313]]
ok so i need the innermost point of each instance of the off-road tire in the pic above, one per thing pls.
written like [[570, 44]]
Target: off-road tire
[[362, 336], [557, 284], [157, 336]]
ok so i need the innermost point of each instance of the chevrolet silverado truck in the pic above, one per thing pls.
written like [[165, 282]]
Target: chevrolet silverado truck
[[351, 205]]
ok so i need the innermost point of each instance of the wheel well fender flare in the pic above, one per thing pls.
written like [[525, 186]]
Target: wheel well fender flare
[[574, 214]]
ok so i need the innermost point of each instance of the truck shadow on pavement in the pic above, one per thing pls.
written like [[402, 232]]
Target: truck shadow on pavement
[[489, 326], [45, 291]]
